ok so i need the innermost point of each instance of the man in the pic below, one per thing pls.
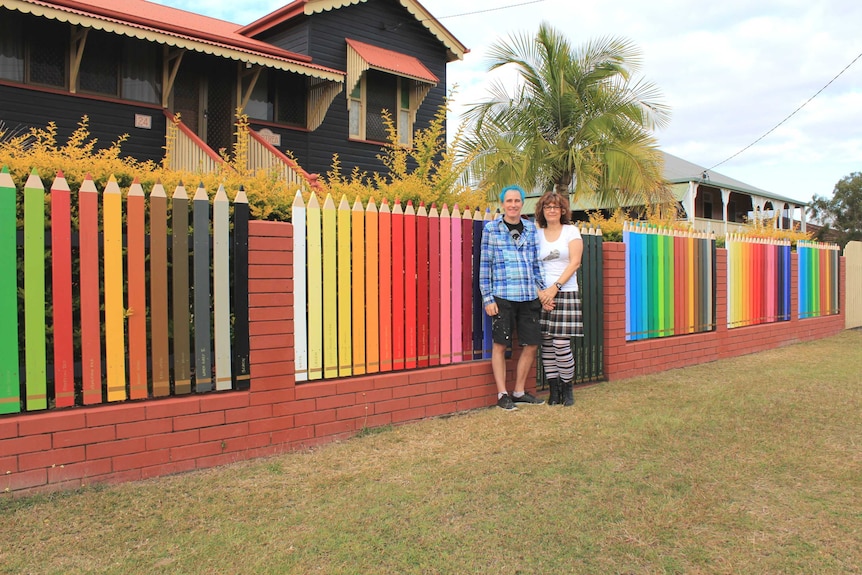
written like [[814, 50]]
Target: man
[[510, 278]]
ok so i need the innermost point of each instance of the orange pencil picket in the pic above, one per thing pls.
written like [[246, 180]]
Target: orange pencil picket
[[357, 228], [137, 292], [410, 289], [115, 330], [372, 287], [384, 237], [433, 286], [398, 310], [445, 286], [422, 287], [159, 291]]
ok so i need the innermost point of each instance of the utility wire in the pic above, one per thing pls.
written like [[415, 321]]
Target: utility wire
[[789, 116], [490, 9]]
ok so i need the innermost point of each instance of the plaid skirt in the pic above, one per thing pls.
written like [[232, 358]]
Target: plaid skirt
[[566, 319]]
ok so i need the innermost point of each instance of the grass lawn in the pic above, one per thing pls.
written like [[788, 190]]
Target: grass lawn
[[743, 466]]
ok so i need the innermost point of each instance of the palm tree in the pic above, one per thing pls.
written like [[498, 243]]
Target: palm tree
[[572, 116]]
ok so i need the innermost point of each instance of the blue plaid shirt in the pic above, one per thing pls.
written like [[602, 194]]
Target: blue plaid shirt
[[509, 269]]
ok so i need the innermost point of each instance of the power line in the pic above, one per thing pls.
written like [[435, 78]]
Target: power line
[[789, 116], [490, 9]]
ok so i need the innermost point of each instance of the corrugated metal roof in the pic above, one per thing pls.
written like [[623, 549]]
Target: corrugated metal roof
[[679, 171]]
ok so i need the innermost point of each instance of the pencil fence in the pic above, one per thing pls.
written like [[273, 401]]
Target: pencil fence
[[670, 282], [107, 303], [758, 280], [818, 279], [396, 288]]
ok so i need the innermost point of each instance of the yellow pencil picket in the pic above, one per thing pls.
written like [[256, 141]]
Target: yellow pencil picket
[[315, 289], [330, 290], [357, 229], [345, 297]]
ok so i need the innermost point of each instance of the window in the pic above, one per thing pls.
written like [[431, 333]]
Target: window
[[375, 92], [100, 64], [36, 51], [47, 53], [11, 47], [280, 98], [141, 78]]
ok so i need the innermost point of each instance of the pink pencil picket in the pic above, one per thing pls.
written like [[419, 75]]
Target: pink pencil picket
[[410, 289], [455, 287], [467, 285], [445, 286], [433, 286]]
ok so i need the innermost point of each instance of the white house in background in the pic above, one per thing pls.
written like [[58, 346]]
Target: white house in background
[[710, 201]]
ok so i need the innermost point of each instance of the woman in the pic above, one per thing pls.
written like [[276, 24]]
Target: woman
[[560, 250]]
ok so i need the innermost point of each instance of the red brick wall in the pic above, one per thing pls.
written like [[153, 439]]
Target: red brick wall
[[136, 440]]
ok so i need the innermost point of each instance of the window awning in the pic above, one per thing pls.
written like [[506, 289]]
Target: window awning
[[362, 56]]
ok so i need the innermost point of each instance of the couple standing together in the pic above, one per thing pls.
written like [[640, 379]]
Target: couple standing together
[[528, 285]]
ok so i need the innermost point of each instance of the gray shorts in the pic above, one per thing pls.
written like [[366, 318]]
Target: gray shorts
[[521, 315]]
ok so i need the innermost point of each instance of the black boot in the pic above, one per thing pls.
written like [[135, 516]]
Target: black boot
[[554, 398], [567, 394]]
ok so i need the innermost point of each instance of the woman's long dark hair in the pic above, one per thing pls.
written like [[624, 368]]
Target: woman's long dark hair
[[553, 198]]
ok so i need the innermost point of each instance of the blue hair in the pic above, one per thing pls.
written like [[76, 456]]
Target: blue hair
[[519, 189]]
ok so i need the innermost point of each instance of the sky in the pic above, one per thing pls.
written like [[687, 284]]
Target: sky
[[768, 92]]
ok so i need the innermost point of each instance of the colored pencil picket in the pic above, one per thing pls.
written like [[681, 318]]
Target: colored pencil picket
[[136, 292], [201, 278], [91, 339], [241, 367], [10, 395], [487, 339], [160, 349], [115, 329], [384, 240], [345, 283], [423, 308], [34, 294], [478, 309], [410, 289], [372, 286], [330, 289], [314, 226], [61, 289], [300, 293], [445, 286], [221, 289], [357, 228], [434, 289], [466, 286], [398, 318], [180, 290], [455, 341]]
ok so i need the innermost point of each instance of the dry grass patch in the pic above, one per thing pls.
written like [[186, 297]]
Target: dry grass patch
[[750, 465]]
